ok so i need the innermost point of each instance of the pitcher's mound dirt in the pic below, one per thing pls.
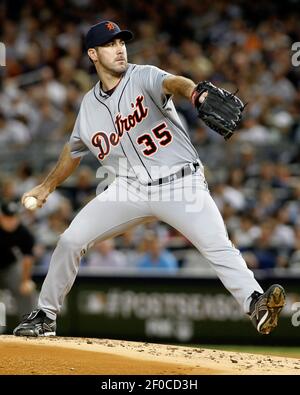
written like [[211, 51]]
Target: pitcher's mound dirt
[[61, 355]]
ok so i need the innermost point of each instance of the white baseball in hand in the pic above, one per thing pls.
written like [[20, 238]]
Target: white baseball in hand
[[31, 203]]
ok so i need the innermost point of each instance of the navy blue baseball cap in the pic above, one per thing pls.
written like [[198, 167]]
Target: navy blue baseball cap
[[10, 209], [103, 32]]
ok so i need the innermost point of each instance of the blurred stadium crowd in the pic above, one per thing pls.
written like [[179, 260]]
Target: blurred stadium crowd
[[254, 178]]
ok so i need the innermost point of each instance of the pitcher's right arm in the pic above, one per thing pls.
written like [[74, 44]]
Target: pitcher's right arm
[[64, 167]]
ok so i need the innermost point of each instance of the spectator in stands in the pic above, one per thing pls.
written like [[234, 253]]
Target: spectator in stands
[[295, 257], [246, 233], [24, 178], [16, 245], [47, 235], [103, 254], [156, 257], [8, 188], [13, 131], [83, 190], [264, 251]]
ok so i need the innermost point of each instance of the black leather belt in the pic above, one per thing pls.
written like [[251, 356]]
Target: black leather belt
[[184, 171]]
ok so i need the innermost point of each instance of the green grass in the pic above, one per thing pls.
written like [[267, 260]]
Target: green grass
[[292, 352]]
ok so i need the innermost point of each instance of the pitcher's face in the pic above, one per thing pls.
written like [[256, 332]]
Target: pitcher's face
[[111, 57]]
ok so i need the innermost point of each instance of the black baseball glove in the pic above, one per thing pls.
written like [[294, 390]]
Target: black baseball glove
[[220, 110]]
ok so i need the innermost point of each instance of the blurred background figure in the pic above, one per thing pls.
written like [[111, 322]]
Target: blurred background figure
[[156, 257], [104, 254], [16, 245], [83, 189], [48, 231]]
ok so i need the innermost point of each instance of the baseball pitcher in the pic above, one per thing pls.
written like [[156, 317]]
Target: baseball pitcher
[[129, 122]]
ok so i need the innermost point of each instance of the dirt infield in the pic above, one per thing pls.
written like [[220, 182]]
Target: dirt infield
[[72, 356]]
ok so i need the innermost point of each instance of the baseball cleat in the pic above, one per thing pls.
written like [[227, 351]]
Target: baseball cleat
[[36, 324], [265, 308]]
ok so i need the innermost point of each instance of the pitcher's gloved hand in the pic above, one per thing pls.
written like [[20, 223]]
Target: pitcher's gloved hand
[[221, 110]]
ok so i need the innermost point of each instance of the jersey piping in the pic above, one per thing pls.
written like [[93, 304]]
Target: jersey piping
[[128, 133]]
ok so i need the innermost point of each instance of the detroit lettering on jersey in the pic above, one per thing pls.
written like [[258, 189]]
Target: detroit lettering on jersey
[[103, 142], [138, 123]]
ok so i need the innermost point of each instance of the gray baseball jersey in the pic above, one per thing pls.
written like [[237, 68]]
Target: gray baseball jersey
[[137, 122]]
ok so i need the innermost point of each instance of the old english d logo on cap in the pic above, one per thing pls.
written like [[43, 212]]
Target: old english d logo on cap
[[110, 26]]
